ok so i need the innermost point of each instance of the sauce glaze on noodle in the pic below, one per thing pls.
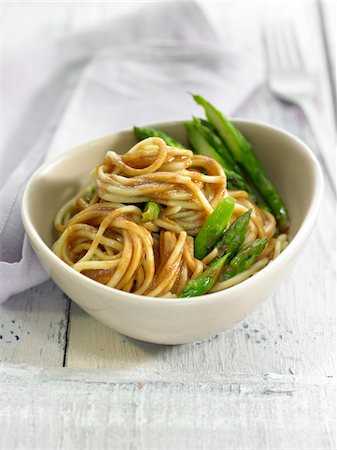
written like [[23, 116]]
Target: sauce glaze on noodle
[[104, 237]]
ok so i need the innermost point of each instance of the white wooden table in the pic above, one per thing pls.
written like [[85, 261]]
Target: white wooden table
[[268, 383]]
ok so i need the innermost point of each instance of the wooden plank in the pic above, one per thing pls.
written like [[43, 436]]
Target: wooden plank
[[76, 409], [33, 326]]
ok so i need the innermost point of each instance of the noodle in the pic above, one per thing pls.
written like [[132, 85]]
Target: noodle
[[103, 235]]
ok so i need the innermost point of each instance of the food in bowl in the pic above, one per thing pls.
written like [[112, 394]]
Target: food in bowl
[[290, 163], [163, 220]]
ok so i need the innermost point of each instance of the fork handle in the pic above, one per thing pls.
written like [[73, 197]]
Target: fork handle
[[325, 141]]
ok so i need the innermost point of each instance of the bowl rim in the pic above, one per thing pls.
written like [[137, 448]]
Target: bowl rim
[[269, 270]]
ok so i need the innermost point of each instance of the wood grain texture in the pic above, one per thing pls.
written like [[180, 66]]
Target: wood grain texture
[[33, 326], [80, 410]]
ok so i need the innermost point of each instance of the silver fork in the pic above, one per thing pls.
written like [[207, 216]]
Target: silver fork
[[289, 80]]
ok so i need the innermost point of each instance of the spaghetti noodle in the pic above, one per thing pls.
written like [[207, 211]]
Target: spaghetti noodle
[[104, 236]]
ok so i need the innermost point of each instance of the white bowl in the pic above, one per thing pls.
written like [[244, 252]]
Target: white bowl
[[291, 166]]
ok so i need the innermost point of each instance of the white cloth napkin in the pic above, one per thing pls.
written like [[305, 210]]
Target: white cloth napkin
[[154, 57]]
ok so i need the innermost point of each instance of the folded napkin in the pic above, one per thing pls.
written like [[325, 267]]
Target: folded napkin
[[104, 90], [38, 84]]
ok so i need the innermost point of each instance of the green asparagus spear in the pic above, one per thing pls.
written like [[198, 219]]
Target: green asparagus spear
[[201, 146], [143, 133], [238, 182], [205, 282], [233, 172], [244, 154], [246, 257], [213, 228], [235, 235], [216, 142], [230, 243], [151, 211]]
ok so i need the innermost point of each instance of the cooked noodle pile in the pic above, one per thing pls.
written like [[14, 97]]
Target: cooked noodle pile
[[104, 236]]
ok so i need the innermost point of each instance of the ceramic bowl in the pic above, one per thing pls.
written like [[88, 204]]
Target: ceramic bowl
[[292, 167]]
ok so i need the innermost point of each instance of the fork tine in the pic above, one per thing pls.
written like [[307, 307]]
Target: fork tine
[[287, 42], [278, 48], [271, 49], [283, 51], [283, 47], [295, 47]]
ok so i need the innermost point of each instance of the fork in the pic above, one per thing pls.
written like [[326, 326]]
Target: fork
[[289, 80]]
